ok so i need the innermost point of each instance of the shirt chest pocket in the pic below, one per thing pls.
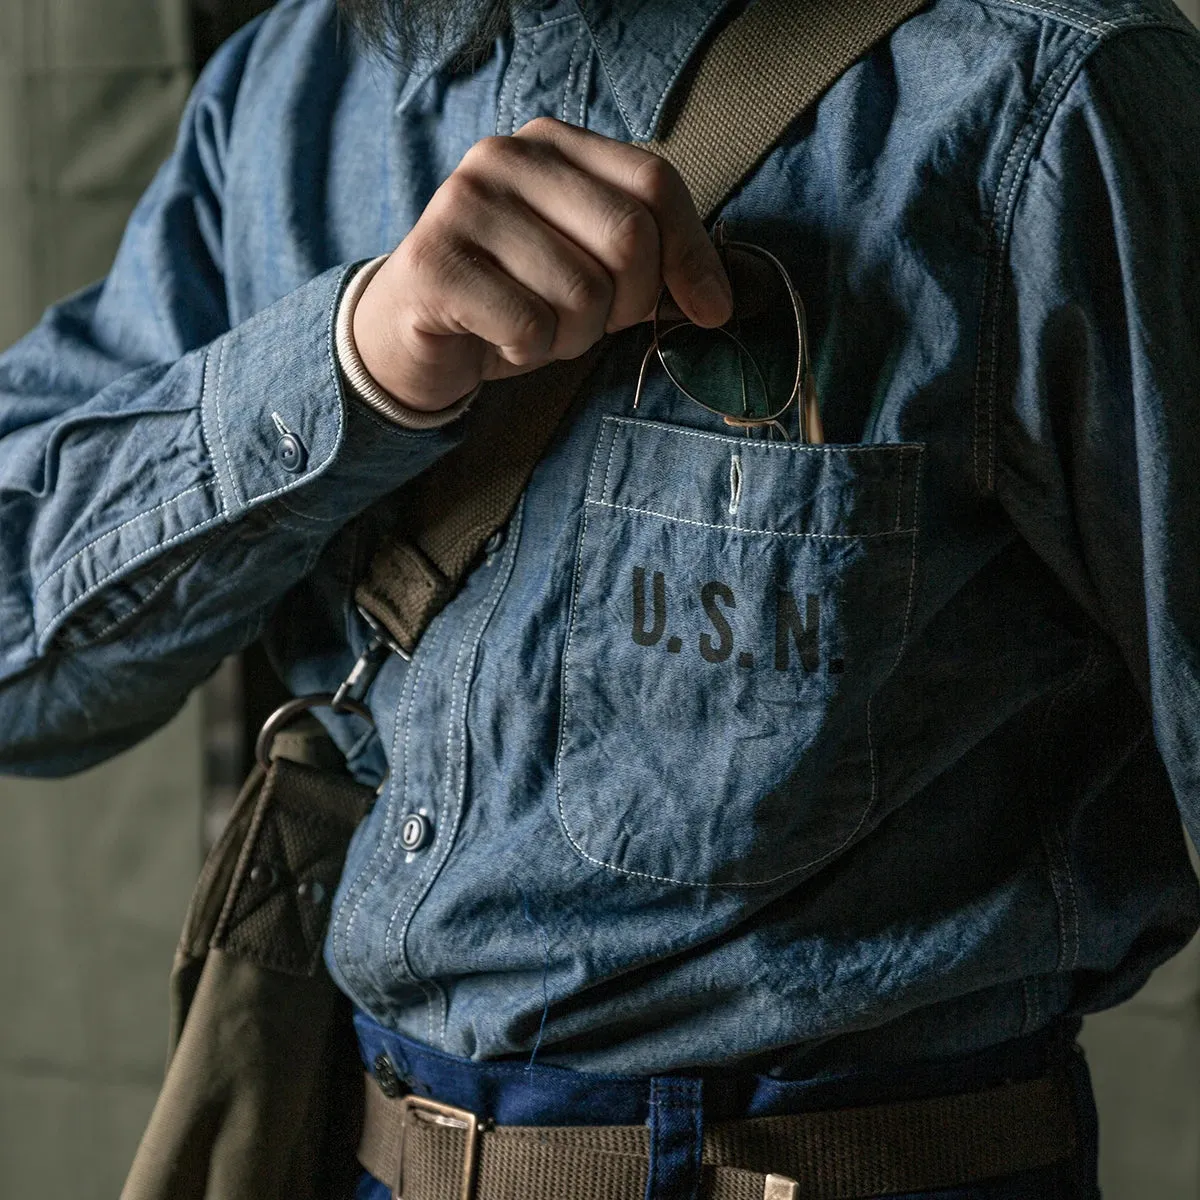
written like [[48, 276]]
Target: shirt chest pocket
[[736, 605]]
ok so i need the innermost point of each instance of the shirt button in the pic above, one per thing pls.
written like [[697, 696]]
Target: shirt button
[[386, 1077], [494, 543], [416, 833], [311, 890], [290, 452], [263, 874]]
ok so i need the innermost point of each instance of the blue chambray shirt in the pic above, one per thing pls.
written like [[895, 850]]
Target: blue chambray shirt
[[732, 750]]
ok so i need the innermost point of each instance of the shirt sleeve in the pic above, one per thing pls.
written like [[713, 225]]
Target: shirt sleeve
[[1098, 441], [164, 478]]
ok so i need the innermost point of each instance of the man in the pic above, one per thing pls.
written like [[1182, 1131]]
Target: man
[[855, 767]]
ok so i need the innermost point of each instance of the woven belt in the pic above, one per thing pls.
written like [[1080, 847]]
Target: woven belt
[[429, 1151]]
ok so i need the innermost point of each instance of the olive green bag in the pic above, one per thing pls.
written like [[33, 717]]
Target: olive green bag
[[263, 1091], [262, 1055]]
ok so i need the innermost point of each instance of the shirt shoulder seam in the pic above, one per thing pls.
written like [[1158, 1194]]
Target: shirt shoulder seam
[[1103, 27], [1028, 136]]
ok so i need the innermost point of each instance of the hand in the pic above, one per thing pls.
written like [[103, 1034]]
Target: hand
[[535, 247]]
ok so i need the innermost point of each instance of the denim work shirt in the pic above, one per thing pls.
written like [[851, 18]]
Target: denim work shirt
[[731, 750]]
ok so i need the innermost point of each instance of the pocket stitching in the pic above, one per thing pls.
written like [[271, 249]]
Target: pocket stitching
[[825, 537], [564, 705], [768, 447]]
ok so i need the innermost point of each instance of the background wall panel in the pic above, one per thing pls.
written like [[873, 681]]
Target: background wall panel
[[94, 871]]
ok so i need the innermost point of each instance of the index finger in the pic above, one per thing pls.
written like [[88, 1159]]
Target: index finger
[[691, 267]]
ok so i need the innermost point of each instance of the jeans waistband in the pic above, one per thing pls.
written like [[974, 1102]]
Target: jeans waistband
[[517, 1093]]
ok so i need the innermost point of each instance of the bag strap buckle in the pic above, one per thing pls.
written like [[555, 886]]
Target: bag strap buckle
[[418, 1108]]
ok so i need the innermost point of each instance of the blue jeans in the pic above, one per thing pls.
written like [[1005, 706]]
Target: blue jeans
[[513, 1093]]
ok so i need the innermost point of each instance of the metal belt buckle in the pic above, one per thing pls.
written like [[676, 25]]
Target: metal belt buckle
[[417, 1108], [780, 1187]]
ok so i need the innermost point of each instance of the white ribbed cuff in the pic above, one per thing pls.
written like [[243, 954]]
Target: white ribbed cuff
[[359, 380]]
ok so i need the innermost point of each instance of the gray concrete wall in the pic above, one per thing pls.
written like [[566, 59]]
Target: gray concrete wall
[[94, 871]]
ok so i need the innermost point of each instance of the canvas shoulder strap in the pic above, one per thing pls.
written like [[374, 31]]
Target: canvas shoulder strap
[[762, 72]]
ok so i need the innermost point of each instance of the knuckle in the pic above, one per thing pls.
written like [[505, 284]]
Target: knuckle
[[586, 291], [655, 181], [439, 267], [464, 190], [542, 127], [419, 256], [486, 153], [631, 236], [531, 330]]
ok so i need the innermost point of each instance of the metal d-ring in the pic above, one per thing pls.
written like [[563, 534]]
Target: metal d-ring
[[285, 714]]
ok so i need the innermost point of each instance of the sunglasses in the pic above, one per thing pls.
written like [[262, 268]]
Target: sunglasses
[[755, 368]]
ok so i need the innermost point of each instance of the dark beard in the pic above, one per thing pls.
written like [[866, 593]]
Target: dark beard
[[405, 32]]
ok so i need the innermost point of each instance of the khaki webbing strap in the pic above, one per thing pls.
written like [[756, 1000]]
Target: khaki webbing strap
[[762, 72], [453, 508], [844, 1154], [765, 71]]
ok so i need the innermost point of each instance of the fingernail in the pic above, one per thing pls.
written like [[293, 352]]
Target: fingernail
[[713, 299]]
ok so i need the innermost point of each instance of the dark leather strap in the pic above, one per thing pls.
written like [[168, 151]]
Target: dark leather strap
[[844, 1154], [762, 72]]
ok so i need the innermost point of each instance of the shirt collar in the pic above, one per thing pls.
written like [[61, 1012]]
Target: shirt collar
[[644, 48]]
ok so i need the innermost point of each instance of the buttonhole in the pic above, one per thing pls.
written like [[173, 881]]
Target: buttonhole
[[735, 484]]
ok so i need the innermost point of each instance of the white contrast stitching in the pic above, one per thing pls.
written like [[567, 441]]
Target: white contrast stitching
[[221, 423], [735, 484], [585, 86], [612, 447], [54, 620], [1049, 8], [574, 67], [1067, 68], [520, 84], [1052, 870], [199, 487], [565, 708], [523, 29], [189, 561], [208, 439], [825, 537], [339, 428], [448, 832], [1092, 659], [1069, 888], [369, 875], [744, 443], [1026, 139]]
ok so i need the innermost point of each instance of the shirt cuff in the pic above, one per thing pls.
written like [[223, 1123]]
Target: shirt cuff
[[359, 382]]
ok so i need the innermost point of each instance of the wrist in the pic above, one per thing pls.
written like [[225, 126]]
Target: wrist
[[358, 379]]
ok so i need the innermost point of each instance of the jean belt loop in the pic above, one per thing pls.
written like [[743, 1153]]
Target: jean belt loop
[[676, 1138]]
